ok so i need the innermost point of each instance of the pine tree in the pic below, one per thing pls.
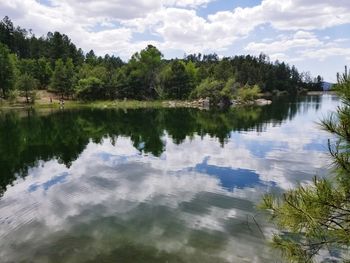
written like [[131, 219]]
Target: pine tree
[[58, 78], [27, 85], [6, 71], [69, 77], [63, 78]]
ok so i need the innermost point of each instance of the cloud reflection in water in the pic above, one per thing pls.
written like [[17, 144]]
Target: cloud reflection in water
[[194, 202]]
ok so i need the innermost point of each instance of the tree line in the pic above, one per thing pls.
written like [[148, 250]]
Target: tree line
[[54, 63]]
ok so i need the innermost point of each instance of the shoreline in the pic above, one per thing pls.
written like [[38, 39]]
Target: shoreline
[[70, 104], [119, 104], [125, 104], [311, 93]]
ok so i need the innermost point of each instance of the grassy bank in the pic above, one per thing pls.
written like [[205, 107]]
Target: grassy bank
[[45, 99], [93, 104], [115, 104]]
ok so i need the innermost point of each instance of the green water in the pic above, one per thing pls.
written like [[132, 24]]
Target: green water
[[152, 185]]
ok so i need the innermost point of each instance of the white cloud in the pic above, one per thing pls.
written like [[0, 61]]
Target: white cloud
[[175, 26], [325, 52], [279, 56], [124, 186], [187, 3], [116, 9], [307, 15], [299, 39], [116, 182], [299, 46]]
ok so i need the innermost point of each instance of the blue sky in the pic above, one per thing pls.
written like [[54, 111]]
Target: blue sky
[[313, 35]]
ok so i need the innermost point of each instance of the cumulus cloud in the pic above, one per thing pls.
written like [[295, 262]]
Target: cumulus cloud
[[187, 3], [113, 191], [307, 15], [301, 45], [112, 26], [117, 9], [299, 39], [325, 52]]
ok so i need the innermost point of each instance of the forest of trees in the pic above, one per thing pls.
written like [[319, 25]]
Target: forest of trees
[[54, 63]]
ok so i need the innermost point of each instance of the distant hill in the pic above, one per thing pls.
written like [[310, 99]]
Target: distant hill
[[327, 85]]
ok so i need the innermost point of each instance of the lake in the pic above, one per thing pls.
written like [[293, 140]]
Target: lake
[[152, 185]]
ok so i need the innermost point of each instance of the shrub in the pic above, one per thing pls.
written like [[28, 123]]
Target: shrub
[[248, 93], [209, 88]]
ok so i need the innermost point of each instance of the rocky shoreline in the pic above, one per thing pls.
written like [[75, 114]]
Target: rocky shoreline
[[205, 103]]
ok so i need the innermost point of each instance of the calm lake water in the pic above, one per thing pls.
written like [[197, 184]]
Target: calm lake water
[[152, 185]]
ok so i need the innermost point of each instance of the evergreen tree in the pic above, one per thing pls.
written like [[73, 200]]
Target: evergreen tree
[[6, 71], [58, 80], [177, 82], [89, 89], [143, 69], [69, 77], [43, 72], [27, 84], [91, 58]]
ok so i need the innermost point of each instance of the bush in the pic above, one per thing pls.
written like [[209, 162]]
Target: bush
[[248, 93], [229, 89], [209, 88]]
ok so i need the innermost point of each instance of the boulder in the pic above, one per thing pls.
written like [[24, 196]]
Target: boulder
[[262, 102]]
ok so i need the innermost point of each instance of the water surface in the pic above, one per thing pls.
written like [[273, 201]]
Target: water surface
[[152, 185]]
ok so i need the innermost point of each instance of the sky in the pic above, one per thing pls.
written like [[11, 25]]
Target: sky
[[314, 35]]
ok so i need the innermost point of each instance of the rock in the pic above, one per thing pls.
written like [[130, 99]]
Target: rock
[[233, 102], [206, 102], [262, 102]]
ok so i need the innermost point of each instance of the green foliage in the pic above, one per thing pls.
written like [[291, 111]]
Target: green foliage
[[248, 93], [163, 77], [342, 87], [27, 84], [40, 69], [6, 71], [224, 70], [175, 81], [211, 89], [141, 73], [91, 58], [230, 88], [62, 80], [69, 74], [317, 217], [192, 72], [43, 72], [89, 88], [58, 79], [12, 95], [220, 91]]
